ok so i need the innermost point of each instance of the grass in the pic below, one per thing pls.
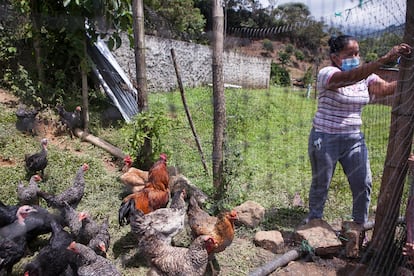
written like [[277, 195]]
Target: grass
[[265, 155]]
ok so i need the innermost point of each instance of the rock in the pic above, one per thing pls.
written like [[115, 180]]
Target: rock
[[353, 234], [250, 213], [320, 236], [270, 240]]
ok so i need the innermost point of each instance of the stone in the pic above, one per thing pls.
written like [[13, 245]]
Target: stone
[[250, 213], [320, 236], [270, 240], [353, 238]]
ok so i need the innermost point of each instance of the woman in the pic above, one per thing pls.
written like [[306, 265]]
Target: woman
[[344, 88]]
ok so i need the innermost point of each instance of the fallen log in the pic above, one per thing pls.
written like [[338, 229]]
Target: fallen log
[[271, 266], [84, 136]]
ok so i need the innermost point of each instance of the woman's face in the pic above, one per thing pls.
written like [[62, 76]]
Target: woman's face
[[351, 50]]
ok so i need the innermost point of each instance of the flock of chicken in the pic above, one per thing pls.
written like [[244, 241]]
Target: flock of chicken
[[154, 225], [78, 244]]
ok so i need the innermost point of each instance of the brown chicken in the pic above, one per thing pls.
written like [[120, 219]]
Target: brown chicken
[[221, 228], [153, 196], [133, 178]]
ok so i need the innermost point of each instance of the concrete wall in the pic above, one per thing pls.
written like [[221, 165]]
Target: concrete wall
[[194, 63]]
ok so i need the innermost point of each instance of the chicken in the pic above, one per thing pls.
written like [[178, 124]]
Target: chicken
[[11, 251], [28, 195], [165, 259], [71, 195], [167, 222], [13, 240], [94, 234], [38, 161], [133, 178], [54, 258], [7, 213], [153, 196], [70, 120], [91, 264], [101, 241], [18, 227], [221, 228], [26, 119]]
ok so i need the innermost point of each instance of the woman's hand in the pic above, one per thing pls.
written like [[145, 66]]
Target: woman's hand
[[402, 49]]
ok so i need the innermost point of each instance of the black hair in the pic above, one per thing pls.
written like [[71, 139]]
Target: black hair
[[337, 43]]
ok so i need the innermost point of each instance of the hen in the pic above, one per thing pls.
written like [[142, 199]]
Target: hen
[[54, 258], [101, 241], [28, 195], [13, 240], [71, 195], [167, 222], [38, 161], [70, 120], [153, 196], [26, 119], [131, 177], [91, 264], [166, 259], [221, 228], [7, 213]]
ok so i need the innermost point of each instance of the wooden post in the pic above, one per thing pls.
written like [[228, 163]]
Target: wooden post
[[187, 111], [399, 147]]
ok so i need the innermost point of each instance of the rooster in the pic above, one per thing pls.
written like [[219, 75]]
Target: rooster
[[71, 195], [153, 196], [38, 161], [221, 228], [133, 178]]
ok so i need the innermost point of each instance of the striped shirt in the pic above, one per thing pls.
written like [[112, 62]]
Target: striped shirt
[[339, 111]]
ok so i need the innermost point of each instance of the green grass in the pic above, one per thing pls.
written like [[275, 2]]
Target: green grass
[[265, 154]]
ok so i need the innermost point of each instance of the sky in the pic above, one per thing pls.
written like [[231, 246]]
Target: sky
[[320, 8]]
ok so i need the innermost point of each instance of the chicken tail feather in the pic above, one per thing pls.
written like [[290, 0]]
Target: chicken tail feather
[[124, 211]]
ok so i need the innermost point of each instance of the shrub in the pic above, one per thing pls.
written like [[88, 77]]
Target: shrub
[[268, 45], [279, 75], [299, 55]]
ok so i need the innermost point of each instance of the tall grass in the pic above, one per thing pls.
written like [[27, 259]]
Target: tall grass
[[266, 150]]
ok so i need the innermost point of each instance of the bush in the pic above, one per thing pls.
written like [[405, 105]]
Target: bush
[[289, 48], [268, 45], [299, 55], [279, 75]]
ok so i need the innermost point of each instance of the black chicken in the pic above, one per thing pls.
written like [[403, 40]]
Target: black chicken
[[26, 120], [70, 120], [7, 213], [38, 161], [54, 258], [71, 195], [13, 240]]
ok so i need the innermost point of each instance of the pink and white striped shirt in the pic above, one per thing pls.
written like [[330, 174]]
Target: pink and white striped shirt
[[339, 111]]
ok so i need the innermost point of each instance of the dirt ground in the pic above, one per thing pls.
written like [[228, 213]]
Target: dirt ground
[[242, 252]]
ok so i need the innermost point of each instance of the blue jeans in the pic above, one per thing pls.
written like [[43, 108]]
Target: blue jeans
[[325, 150]]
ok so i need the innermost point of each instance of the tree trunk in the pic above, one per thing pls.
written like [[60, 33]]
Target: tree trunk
[[274, 264], [37, 48], [139, 50], [218, 95], [145, 153], [399, 147]]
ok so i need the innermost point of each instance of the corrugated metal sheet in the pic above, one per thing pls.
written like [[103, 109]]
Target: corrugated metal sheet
[[113, 79]]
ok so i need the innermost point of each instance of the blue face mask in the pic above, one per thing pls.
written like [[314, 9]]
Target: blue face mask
[[349, 63]]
